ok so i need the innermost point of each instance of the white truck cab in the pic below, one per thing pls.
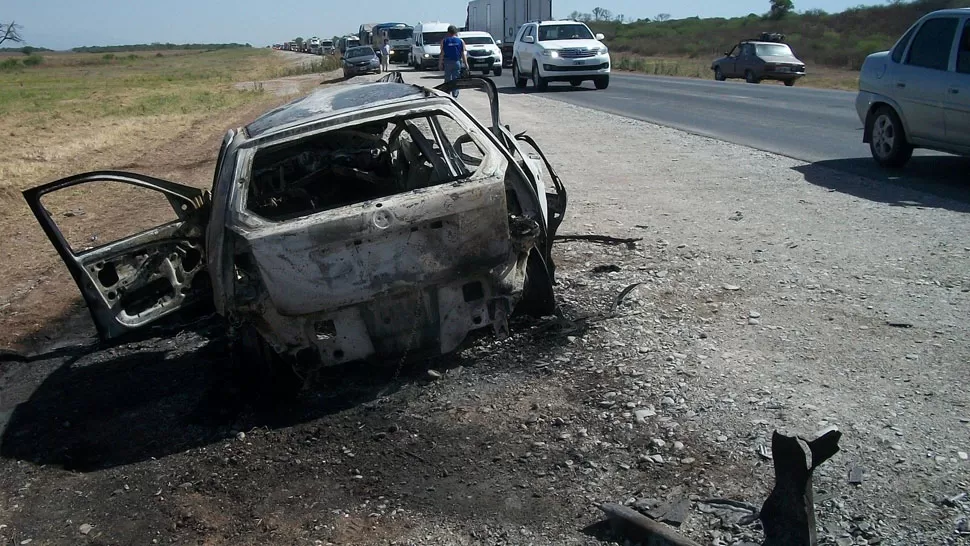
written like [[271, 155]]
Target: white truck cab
[[559, 51], [483, 53], [427, 44]]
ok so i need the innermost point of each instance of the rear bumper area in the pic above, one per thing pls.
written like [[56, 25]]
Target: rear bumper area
[[414, 273], [782, 76], [360, 71]]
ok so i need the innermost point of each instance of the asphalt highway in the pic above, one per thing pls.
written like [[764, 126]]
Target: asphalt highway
[[818, 126]]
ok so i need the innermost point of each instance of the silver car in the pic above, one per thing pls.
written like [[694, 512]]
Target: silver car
[[917, 95], [361, 60]]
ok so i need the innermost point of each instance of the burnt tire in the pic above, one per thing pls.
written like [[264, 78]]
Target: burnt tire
[[260, 370], [538, 299], [887, 139]]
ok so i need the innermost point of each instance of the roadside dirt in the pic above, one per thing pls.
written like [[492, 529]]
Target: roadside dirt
[[772, 295]]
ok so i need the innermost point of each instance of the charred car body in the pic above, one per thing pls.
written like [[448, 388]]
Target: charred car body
[[365, 221]]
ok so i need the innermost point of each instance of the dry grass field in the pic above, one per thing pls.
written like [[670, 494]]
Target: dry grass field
[[158, 113]]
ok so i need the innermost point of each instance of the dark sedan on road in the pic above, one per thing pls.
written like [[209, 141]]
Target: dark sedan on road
[[759, 60], [360, 60]]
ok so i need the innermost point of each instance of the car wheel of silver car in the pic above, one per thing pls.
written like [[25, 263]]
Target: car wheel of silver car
[[887, 139], [497, 72], [520, 82], [718, 75]]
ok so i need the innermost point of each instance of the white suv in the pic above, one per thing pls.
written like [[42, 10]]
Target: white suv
[[917, 95], [559, 51], [483, 53]]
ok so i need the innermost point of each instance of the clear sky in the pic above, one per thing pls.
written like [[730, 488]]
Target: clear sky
[[62, 24]]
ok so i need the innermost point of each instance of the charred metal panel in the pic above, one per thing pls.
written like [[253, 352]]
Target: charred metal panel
[[350, 255]]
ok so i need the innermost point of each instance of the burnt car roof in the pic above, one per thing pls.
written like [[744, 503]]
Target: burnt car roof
[[329, 102]]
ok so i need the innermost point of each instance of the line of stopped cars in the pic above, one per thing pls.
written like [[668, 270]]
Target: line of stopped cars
[[362, 222]]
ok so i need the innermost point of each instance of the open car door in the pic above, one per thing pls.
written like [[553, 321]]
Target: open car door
[[140, 278]]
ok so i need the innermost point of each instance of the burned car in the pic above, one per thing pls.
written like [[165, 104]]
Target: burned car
[[368, 221]]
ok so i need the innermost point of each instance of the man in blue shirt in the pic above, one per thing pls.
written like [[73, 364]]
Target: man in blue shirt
[[454, 56]]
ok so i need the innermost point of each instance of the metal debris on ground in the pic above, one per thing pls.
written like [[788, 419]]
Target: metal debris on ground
[[856, 474], [636, 527], [788, 514], [674, 513], [608, 268]]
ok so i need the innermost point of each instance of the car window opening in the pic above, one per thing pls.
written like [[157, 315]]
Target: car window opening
[[477, 40], [773, 50], [360, 163], [963, 56], [548, 33]]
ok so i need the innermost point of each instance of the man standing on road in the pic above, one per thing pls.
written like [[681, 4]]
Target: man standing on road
[[454, 57], [385, 56]]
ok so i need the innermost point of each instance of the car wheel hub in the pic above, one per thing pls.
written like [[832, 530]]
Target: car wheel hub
[[883, 136]]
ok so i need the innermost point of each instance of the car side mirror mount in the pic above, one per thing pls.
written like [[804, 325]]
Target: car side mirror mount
[[498, 42], [600, 36], [529, 40]]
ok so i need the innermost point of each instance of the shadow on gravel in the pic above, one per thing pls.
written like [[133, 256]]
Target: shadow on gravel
[[927, 181], [166, 395]]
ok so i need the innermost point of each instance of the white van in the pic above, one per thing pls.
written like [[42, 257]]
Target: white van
[[427, 44]]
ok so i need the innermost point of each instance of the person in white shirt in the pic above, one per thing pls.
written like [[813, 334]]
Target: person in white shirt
[[385, 56]]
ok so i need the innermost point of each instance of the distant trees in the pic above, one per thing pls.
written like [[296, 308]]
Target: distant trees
[[661, 17], [156, 47], [10, 32], [599, 15], [780, 8]]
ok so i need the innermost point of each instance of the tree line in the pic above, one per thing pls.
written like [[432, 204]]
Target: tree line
[[155, 47]]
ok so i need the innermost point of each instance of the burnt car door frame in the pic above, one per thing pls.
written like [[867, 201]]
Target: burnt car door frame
[[540, 263], [191, 206]]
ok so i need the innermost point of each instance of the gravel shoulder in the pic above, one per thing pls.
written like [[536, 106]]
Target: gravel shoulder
[[765, 302]]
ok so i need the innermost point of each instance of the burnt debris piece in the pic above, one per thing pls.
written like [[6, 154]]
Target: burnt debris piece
[[788, 514], [633, 525]]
